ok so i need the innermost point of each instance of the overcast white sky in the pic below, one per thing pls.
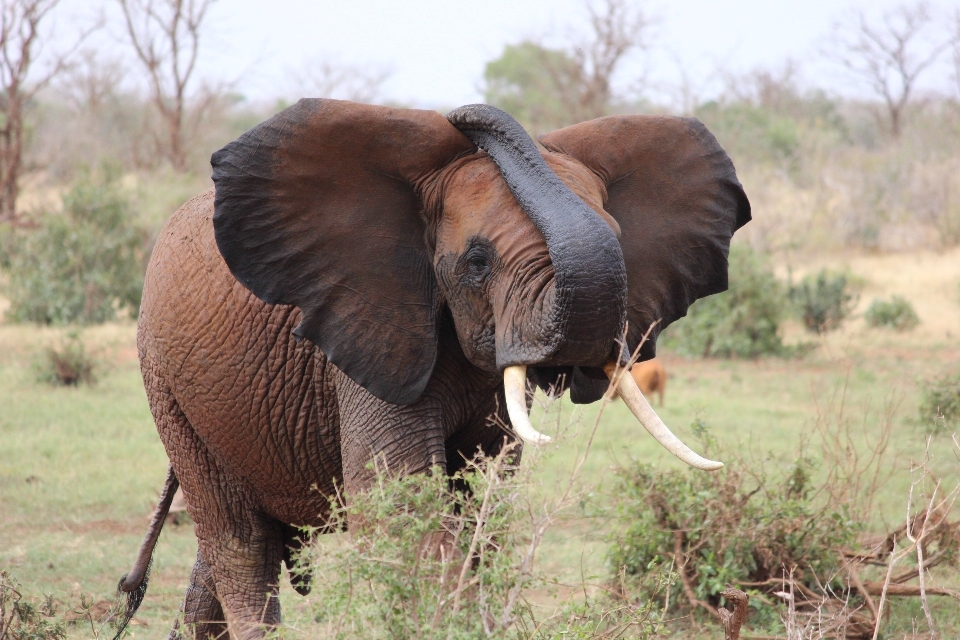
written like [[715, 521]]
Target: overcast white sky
[[436, 49]]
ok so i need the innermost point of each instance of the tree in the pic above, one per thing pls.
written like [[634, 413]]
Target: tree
[[165, 34], [531, 82], [890, 57], [556, 87], [20, 45], [330, 79]]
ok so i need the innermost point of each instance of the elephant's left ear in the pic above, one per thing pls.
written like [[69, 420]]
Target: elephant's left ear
[[675, 194]]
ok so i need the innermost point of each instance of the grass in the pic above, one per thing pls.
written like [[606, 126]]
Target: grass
[[80, 468]]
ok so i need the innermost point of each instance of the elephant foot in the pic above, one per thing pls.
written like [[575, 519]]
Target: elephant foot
[[201, 615]]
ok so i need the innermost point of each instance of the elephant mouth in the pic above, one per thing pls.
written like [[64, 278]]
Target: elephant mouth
[[620, 383]]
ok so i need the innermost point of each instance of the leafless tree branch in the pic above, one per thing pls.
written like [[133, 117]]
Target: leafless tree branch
[[331, 79], [617, 28], [165, 35], [890, 57], [21, 43]]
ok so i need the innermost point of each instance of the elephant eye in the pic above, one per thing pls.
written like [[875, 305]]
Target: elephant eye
[[475, 266]]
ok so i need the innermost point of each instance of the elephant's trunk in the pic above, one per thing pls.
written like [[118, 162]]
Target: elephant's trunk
[[589, 310]]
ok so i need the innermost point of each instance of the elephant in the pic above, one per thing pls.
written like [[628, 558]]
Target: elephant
[[375, 282]]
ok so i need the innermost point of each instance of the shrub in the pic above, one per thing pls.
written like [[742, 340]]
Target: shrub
[[896, 313], [430, 558], [728, 527], [742, 322], [82, 264], [823, 300], [21, 620], [66, 364], [940, 403]]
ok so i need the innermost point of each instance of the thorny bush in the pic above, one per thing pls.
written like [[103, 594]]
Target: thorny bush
[[729, 527], [896, 313], [21, 620], [940, 404], [67, 364], [83, 263], [429, 558]]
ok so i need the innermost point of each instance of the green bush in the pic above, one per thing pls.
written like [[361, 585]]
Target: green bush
[[743, 322], [940, 403], [728, 527], [428, 558], [21, 620], [823, 300], [896, 313], [82, 264]]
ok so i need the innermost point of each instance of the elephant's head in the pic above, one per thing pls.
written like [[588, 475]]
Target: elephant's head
[[374, 220]]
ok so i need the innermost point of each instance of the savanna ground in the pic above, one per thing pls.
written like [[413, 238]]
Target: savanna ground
[[80, 468]]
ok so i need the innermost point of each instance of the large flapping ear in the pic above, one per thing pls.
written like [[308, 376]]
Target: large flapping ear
[[317, 207], [675, 194]]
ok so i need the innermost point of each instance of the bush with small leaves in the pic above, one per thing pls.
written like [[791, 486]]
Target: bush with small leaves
[[82, 264], [743, 322], [21, 620], [823, 300], [742, 525], [896, 313], [940, 404], [430, 558]]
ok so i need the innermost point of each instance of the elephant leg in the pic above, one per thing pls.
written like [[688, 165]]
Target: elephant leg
[[402, 438], [245, 555], [234, 587], [241, 548], [201, 613]]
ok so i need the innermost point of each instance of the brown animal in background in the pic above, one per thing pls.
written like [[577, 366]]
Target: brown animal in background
[[651, 377]]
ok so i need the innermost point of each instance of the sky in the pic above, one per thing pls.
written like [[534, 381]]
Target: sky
[[435, 50]]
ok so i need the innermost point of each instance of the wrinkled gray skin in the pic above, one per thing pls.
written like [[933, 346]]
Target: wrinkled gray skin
[[260, 426], [294, 419]]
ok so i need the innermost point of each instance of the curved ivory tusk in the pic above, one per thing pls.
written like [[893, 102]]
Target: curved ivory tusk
[[515, 389], [639, 407]]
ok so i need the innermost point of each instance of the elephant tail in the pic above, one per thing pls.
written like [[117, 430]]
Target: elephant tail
[[133, 585]]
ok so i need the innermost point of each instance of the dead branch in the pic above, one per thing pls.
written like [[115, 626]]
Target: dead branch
[[909, 590], [165, 35], [733, 620], [889, 58], [21, 42]]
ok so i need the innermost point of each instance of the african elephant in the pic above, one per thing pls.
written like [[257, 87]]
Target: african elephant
[[370, 281]]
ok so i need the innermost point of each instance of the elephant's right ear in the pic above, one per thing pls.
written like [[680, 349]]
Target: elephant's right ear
[[675, 194], [317, 207]]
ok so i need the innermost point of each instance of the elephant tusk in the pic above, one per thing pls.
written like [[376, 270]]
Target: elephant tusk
[[641, 409], [515, 390]]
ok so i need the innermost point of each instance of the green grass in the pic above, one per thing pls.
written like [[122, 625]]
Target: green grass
[[80, 468]]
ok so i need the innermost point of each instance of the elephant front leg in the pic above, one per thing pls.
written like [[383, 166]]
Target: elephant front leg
[[401, 438]]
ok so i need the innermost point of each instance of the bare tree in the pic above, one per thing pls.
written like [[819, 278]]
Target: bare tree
[[891, 56], [21, 43], [617, 27], [955, 42], [552, 87], [165, 35], [91, 82], [328, 78]]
